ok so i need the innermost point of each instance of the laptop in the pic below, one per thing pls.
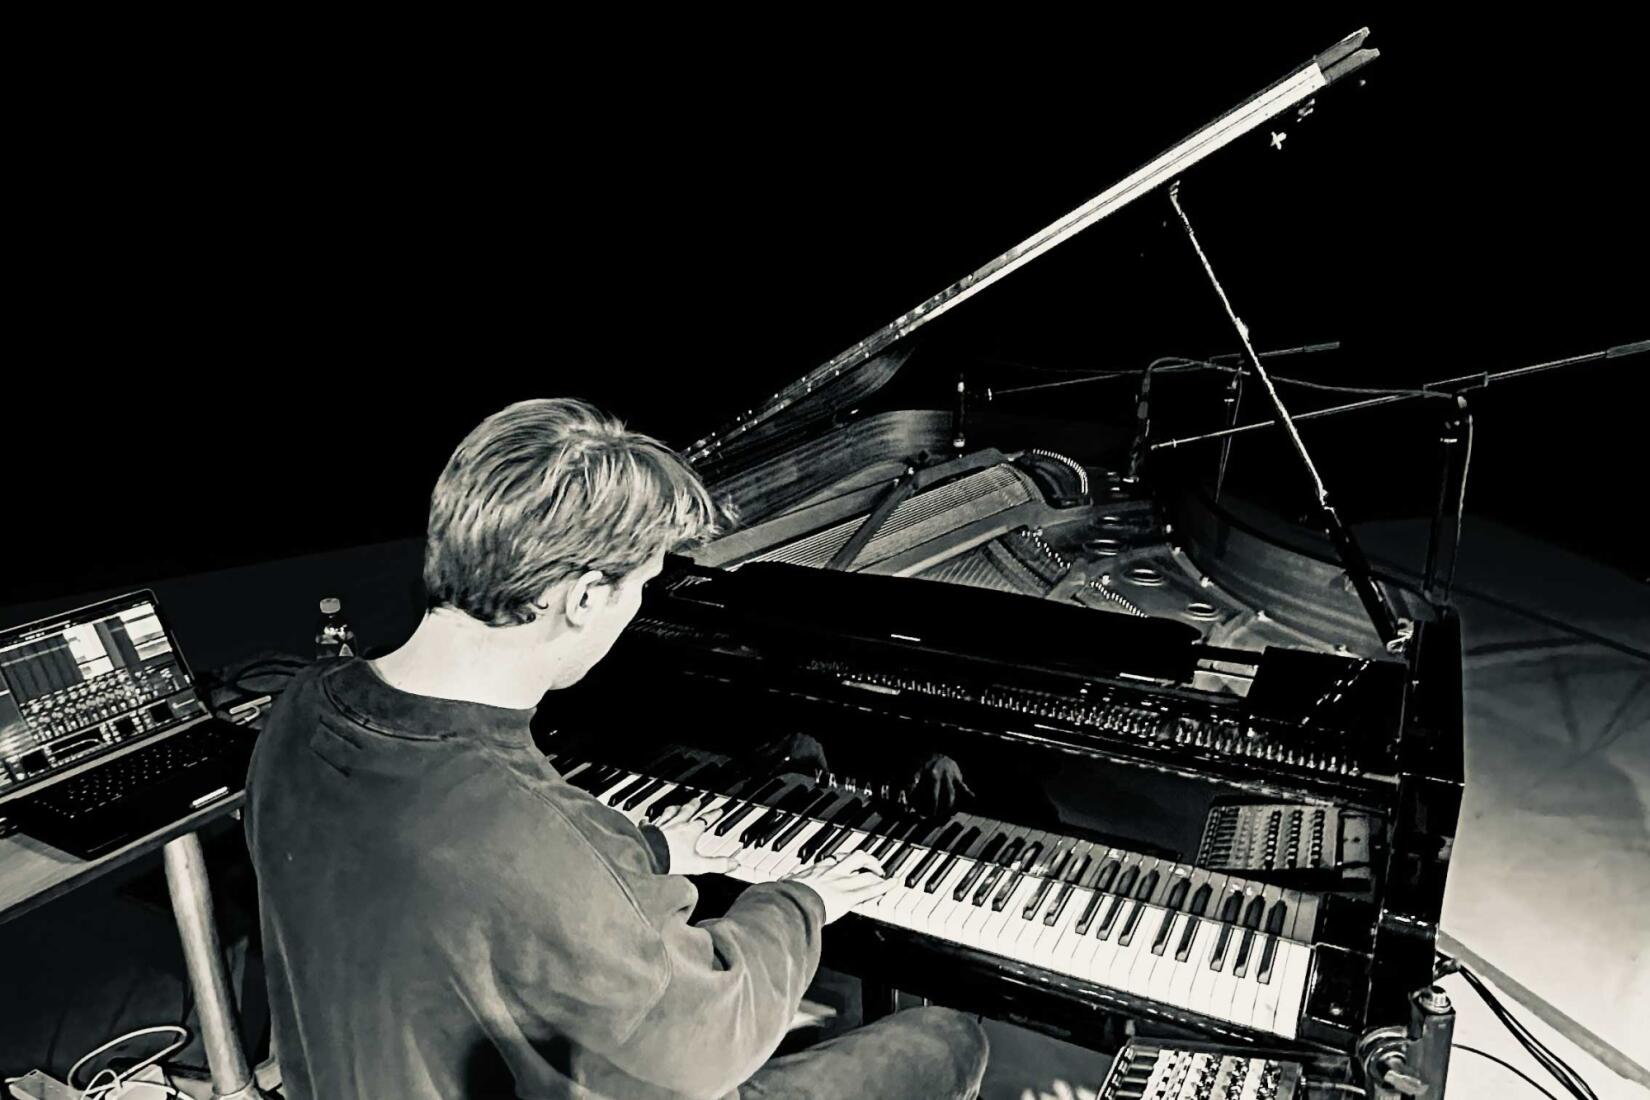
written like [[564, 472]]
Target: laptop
[[103, 738]]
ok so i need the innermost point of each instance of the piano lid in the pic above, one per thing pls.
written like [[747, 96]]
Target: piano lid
[[866, 366]]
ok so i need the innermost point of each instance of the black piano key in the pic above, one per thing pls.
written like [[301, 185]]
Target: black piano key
[[1125, 886], [952, 831], [757, 833], [1027, 860], [1176, 898], [1252, 917], [1276, 918], [729, 820], [808, 815], [1035, 902], [687, 790], [1183, 950], [1228, 917], [1199, 906], [612, 776], [1147, 886], [1240, 965], [914, 839], [680, 796], [584, 776], [843, 832], [1005, 860], [876, 835], [986, 856], [813, 834], [963, 844], [637, 795], [789, 807], [898, 834], [836, 830], [595, 777], [1274, 929], [1086, 917], [1066, 888], [627, 790], [724, 826], [1103, 884]]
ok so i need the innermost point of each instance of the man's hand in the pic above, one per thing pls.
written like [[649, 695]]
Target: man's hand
[[796, 752], [938, 786], [683, 836], [842, 882]]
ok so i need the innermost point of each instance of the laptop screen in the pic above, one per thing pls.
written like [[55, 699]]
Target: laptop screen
[[84, 683]]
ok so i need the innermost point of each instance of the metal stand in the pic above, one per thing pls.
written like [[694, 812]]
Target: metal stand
[[203, 955], [1445, 541], [1400, 1063], [876, 1001]]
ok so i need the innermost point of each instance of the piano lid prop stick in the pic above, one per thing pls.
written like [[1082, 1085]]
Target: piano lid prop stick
[[1352, 557]]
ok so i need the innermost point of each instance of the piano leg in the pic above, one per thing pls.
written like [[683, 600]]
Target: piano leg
[[877, 1000]]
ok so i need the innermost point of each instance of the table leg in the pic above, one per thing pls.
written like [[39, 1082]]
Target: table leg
[[203, 955]]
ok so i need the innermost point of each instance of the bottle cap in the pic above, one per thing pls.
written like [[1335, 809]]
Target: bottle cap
[[331, 605]]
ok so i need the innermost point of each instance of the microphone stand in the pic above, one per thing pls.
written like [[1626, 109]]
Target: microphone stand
[[1449, 387]]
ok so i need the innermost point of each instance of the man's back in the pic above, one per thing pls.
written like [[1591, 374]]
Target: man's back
[[443, 916]]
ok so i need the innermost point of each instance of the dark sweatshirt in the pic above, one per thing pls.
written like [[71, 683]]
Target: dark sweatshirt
[[444, 916]]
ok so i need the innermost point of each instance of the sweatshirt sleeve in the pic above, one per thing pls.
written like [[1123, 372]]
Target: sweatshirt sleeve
[[597, 967]]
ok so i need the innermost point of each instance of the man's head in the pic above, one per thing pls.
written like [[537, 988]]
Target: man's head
[[553, 515]]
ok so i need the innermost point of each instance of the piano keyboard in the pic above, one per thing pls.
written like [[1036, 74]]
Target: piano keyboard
[[1195, 939], [1149, 1071]]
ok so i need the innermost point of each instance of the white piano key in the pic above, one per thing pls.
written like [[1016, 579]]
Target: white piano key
[[1263, 1012], [605, 791], [577, 769], [639, 812], [1218, 1002], [936, 915], [1291, 978], [1189, 986], [1246, 991], [1145, 963], [1055, 945], [1164, 967], [997, 931]]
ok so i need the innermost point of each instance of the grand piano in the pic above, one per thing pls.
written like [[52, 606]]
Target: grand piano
[[1149, 775]]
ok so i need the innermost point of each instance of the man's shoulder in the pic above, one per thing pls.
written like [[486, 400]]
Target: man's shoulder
[[532, 780]]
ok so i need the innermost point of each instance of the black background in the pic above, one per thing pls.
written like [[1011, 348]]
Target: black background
[[262, 302]]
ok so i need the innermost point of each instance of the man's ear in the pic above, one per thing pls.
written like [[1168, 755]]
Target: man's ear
[[583, 594]]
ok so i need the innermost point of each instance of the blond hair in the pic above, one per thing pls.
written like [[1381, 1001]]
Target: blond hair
[[545, 489]]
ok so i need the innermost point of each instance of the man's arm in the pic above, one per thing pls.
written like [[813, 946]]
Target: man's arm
[[596, 965]]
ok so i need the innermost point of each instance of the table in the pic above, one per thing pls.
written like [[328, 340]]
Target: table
[[33, 873], [272, 607]]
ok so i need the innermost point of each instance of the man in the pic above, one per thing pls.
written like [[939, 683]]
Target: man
[[444, 916]]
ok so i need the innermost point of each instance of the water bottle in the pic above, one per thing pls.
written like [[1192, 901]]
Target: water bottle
[[334, 638]]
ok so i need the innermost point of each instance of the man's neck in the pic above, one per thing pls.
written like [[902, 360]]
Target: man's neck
[[452, 656]]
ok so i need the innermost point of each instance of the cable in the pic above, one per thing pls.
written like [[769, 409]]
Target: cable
[[1534, 1084], [108, 1092], [1549, 1061], [162, 1029], [114, 1079]]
